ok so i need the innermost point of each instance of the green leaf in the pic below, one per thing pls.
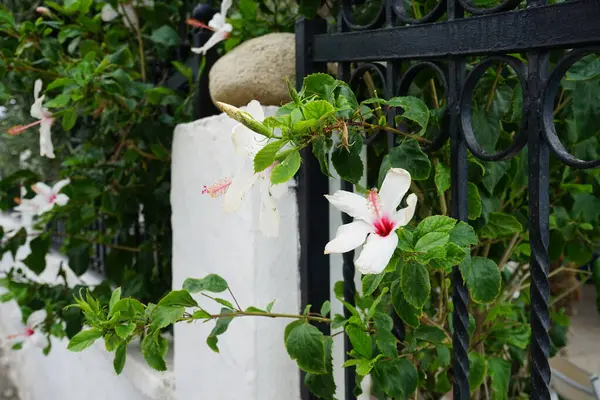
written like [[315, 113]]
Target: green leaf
[[371, 282], [487, 128], [477, 370], [587, 206], [183, 70], [210, 283], [414, 280], [430, 334], [323, 385], [482, 277], [585, 69], [317, 109], [325, 308], [347, 162], [178, 298], [270, 306], [454, 255], [414, 110], [166, 36], [474, 201], [200, 314], [431, 240], [114, 298], [438, 252], [384, 338], [220, 328], [120, 358], [361, 341], [154, 350], [442, 178], [397, 378], [321, 85], [266, 156], [79, 256], [36, 260], [320, 148], [409, 314], [128, 308], [62, 100], [500, 225], [69, 118], [84, 339], [306, 344], [286, 170], [123, 331], [407, 155], [494, 171], [499, 370], [111, 341], [163, 316], [435, 223], [463, 235]]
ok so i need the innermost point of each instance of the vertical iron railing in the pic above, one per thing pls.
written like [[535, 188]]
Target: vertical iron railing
[[441, 41]]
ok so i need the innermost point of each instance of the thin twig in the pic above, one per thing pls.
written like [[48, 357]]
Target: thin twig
[[234, 299]]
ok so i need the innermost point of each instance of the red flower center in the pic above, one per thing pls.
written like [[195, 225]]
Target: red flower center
[[383, 226], [52, 198], [29, 332]]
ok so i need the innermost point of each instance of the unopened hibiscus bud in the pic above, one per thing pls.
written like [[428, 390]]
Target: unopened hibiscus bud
[[44, 11], [245, 119]]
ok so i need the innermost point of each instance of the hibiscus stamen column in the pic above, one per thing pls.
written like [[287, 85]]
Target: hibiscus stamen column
[[460, 295]]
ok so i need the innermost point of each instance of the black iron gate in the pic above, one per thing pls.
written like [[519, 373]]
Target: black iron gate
[[394, 37]]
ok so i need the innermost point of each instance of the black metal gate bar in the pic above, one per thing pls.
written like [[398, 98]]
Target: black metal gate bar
[[313, 208], [507, 32]]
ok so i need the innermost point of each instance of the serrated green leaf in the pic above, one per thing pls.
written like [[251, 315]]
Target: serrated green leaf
[[477, 370], [442, 178], [123, 331], [210, 283], [323, 385], [430, 334], [84, 339], [361, 341], [154, 350], [347, 162], [286, 170], [482, 277], [500, 225], [325, 308], [120, 358], [321, 147], [266, 156], [414, 110], [474, 201], [371, 282], [163, 316], [306, 344], [166, 36], [114, 298], [409, 156], [409, 314], [69, 118], [178, 298], [397, 378], [431, 240], [435, 223], [463, 235], [499, 371], [414, 280]]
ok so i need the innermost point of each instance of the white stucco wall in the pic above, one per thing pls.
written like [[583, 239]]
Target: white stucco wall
[[66, 375], [253, 363]]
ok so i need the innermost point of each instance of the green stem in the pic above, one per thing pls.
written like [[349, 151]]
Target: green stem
[[390, 129]]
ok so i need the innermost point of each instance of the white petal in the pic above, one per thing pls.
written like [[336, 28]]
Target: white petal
[[46, 146], [376, 253], [404, 216], [58, 186], [38, 340], [268, 219], [42, 189], [37, 110], [37, 89], [395, 185], [61, 200], [217, 21], [246, 141], [352, 204], [108, 13], [240, 186], [254, 108], [45, 208], [348, 237], [36, 318], [225, 6], [216, 37]]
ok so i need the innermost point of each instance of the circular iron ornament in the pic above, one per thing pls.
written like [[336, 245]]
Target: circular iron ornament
[[507, 5], [466, 99], [380, 71], [399, 8], [548, 110], [347, 15], [404, 86]]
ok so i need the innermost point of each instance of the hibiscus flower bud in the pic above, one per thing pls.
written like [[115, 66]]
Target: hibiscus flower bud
[[245, 119], [44, 11]]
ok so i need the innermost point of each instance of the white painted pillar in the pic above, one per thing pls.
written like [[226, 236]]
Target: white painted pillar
[[253, 362]]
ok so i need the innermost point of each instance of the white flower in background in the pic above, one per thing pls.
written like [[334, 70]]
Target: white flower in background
[[28, 209], [47, 197], [30, 334], [219, 26], [375, 216], [127, 10], [45, 121], [248, 143]]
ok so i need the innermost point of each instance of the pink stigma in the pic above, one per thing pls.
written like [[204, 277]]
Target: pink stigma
[[217, 189], [374, 202], [17, 130]]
